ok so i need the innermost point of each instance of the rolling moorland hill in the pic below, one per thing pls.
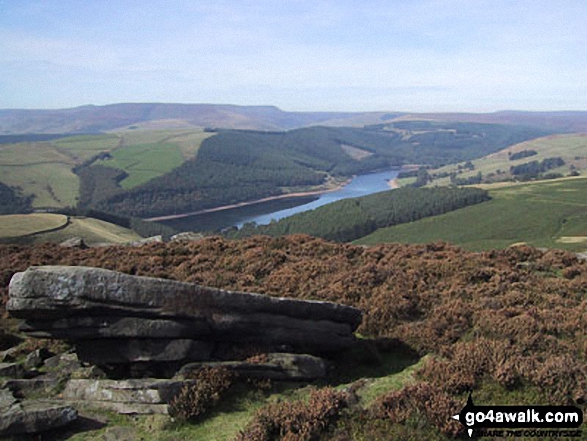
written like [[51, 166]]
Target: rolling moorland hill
[[509, 325], [239, 166], [91, 119], [566, 121], [149, 173]]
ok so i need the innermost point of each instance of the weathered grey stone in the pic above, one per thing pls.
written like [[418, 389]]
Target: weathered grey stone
[[144, 396], [91, 306], [78, 328], [187, 236], [36, 358], [74, 242], [9, 355], [11, 370], [277, 366], [6, 399], [146, 240], [35, 417], [24, 388], [65, 363], [136, 350], [60, 292]]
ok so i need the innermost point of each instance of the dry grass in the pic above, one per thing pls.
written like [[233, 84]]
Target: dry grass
[[15, 225]]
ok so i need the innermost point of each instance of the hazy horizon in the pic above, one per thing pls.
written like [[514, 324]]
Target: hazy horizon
[[335, 56], [401, 111]]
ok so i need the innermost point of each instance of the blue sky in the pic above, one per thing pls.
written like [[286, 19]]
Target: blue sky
[[405, 55]]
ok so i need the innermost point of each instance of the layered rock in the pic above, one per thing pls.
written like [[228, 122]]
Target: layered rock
[[117, 318], [17, 418], [278, 366], [137, 396]]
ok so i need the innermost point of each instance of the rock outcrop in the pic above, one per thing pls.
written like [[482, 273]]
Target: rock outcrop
[[17, 418], [115, 318]]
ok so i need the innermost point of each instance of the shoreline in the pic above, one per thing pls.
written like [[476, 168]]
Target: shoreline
[[393, 183], [247, 203]]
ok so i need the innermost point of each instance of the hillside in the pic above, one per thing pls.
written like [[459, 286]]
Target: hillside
[[157, 116], [47, 169], [239, 166], [498, 166], [91, 119], [508, 324], [57, 228], [565, 121], [350, 219], [549, 214]]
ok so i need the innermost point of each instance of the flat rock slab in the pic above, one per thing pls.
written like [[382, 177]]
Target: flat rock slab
[[118, 318], [35, 417], [62, 291], [279, 366], [141, 396]]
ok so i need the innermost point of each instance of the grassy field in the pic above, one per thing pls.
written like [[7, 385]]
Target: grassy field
[[14, 225], [572, 148], [549, 214], [41, 169], [144, 162], [84, 147], [45, 168], [92, 231]]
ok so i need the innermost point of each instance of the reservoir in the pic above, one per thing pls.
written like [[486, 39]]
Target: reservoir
[[262, 213]]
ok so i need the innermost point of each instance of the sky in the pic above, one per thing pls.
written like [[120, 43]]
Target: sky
[[299, 55]]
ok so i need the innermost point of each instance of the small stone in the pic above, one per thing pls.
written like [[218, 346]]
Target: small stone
[[187, 236], [11, 370], [6, 400], [36, 358], [74, 242]]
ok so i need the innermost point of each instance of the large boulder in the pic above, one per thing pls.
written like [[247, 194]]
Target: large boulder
[[119, 318]]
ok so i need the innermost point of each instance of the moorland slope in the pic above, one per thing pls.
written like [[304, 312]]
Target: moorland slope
[[509, 325]]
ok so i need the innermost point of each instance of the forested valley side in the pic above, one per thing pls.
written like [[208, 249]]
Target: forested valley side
[[235, 166]]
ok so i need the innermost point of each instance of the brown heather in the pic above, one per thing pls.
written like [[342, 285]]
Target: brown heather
[[296, 420], [516, 317], [195, 399]]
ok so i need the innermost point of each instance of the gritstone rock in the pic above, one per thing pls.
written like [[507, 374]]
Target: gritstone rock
[[119, 318]]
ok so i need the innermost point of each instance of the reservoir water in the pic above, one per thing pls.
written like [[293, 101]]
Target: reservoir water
[[264, 212]]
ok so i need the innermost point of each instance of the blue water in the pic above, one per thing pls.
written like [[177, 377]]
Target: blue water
[[264, 212], [362, 185]]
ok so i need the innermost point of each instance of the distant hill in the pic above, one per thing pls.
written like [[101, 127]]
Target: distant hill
[[91, 119], [88, 119], [565, 121]]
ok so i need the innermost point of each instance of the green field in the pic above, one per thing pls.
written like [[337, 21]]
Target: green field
[[549, 214], [39, 168], [82, 148], [19, 228], [572, 148], [92, 231], [144, 162], [45, 168], [14, 225]]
